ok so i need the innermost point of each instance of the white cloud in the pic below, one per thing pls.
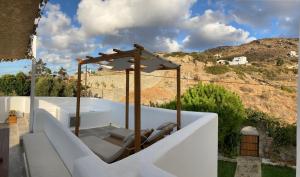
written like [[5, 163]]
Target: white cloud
[[156, 24], [261, 14], [210, 29], [58, 41], [167, 44], [108, 17]]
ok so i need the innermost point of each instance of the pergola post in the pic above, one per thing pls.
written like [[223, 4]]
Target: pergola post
[[127, 100], [77, 121], [178, 99], [137, 102]]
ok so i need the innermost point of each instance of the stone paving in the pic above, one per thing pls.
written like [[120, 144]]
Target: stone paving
[[16, 161], [248, 167]]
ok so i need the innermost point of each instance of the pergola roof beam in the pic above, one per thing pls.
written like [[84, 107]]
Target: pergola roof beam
[[108, 57]]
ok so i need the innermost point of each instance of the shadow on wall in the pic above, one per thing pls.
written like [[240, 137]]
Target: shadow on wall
[[4, 102]]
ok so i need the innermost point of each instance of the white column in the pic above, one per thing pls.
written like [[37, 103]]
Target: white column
[[32, 90]]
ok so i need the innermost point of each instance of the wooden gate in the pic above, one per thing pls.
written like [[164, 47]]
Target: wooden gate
[[249, 145]]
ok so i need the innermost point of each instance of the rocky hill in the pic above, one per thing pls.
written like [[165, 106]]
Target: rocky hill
[[266, 83]]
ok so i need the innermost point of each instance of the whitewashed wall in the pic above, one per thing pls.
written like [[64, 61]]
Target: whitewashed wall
[[191, 152]]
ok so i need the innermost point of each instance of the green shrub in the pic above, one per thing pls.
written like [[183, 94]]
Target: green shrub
[[279, 62], [50, 86], [217, 69], [70, 89], [283, 134], [175, 54], [22, 85], [43, 86], [288, 89], [7, 84], [214, 98]]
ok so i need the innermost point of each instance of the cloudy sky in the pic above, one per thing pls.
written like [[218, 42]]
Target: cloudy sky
[[73, 28]]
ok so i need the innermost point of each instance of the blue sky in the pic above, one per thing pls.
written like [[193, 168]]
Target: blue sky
[[71, 28]]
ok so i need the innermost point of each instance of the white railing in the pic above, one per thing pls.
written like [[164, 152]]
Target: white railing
[[191, 152]]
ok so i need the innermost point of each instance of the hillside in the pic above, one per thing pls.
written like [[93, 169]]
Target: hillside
[[267, 83]]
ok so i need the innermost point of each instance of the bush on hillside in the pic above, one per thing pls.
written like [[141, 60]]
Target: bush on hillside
[[279, 62], [217, 69], [175, 54], [214, 98]]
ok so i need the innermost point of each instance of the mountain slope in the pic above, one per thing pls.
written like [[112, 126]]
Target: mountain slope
[[267, 84]]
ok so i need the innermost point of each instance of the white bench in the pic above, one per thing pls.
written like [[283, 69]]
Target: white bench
[[52, 150], [41, 158]]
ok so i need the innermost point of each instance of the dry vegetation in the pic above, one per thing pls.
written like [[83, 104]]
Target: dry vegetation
[[266, 84]]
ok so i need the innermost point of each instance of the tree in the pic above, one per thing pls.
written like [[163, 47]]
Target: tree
[[7, 84], [41, 68], [70, 89], [214, 98], [62, 73], [43, 86], [22, 84], [57, 88]]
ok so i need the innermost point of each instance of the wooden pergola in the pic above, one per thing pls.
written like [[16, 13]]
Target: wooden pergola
[[137, 60]]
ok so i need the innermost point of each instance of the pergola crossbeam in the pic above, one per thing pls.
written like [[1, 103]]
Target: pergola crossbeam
[[107, 57]]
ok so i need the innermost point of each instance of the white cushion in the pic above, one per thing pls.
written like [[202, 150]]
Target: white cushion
[[105, 150], [166, 124], [120, 133], [42, 159], [66, 144]]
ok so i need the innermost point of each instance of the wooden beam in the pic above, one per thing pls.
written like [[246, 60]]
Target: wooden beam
[[77, 121], [163, 68], [137, 102], [101, 53], [127, 100], [117, 50], [178, 104], [137, 46], [106, 57]]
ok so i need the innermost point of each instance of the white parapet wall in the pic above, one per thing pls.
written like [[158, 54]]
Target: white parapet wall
[[189, 152]]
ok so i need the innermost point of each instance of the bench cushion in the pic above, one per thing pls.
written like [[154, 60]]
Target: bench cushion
[[120, 133], [42, 159], [105, 150]]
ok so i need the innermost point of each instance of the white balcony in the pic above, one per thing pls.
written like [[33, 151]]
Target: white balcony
[[189, 152]]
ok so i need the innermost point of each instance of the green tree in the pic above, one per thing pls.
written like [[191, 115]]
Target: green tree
[[41, 68], [62, 72], [7, 84], [214, 98], [22, 84], [70, 89], [43, 86], [57, 88]]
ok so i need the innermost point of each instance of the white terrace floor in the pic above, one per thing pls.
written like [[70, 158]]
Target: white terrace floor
[[191, 151]]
